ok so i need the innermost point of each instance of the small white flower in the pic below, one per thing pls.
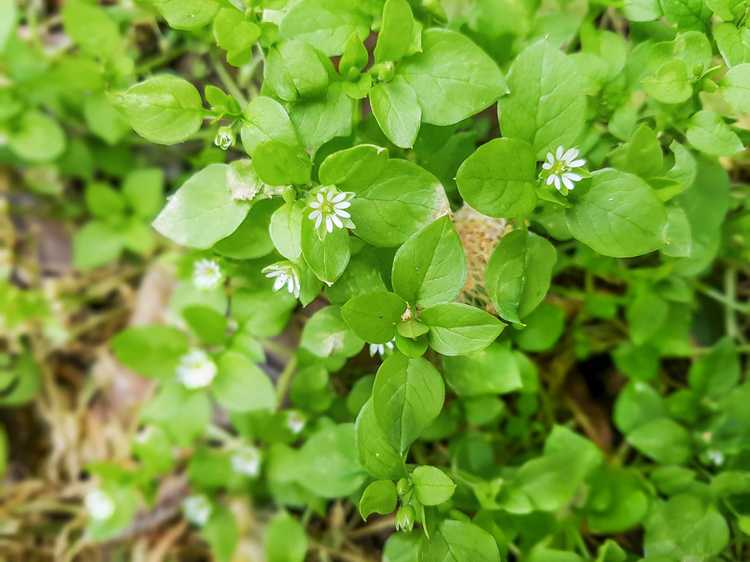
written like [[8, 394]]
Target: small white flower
[[196, 369], [206, 274], [559, 166], [329, 209], [99, 505], [197, 509], [295, 422], [284, 273], [246, 461], [716, 457], [380, 348]]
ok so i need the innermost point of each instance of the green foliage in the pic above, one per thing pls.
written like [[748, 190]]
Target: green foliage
[[363, 194]]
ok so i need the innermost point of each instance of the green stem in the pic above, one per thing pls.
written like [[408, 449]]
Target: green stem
[[227, 81], [285, 379], [720, 297]]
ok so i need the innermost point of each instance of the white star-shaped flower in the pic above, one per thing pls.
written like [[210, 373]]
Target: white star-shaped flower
[[284, 273], [380, 348], [206, 274], [559, 166], [329, 209], [197, 509], [246, 461], [99, 504], [196, 369]]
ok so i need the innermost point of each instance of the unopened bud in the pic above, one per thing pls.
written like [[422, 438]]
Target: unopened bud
[[224, 138], [405, 518]]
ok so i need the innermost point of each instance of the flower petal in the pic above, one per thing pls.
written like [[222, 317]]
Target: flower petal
[[556, 180], [342, 214], [570, 154], [573, 177], [559, 153], [567, 183], [329, 224], [318, 220], [337, 221], [342, 205], [546, 166], [550, 179], [338, 197], [577, 163]]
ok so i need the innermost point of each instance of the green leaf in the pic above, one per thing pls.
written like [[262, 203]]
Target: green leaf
[[326, 24], [203, 211], [187, 14], [104, 120], [619, 215], [144, 190], [285, 540], [459, 541], [407, 396], [328, 464], [91, 28], [546, 106], [642, 10], [319, 120], [638, 403], [379, 497], [499, 178], [183, 414], [207, 323], [708, 133], [493, 370], [151, 351], [286, 230], [662, 440], [327, 334], [457, 329], [519, 273], [96, 244], [328, 257], [293, 70], [277, 163], [394, 105], [686, 14], [431, 485], [221, 534], [266, 120], [400, 34], [736, 88], [240, 386], [685, 527], [645, 314], [251, 240], [103, 201], [37, 138], [354, 169], [233, 32], [374, 316], [403, 199], [733, 43], [641, 155], [713, 375], [164, 109], [376, 454], [430, 267], [452, 77], [670, 83], [8, 20]]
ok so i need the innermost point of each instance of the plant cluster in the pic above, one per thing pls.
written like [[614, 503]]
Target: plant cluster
[[479, 267]]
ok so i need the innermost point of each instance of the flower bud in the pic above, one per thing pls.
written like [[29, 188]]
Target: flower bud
[[224, 138], [403, 487], [405, 518]]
